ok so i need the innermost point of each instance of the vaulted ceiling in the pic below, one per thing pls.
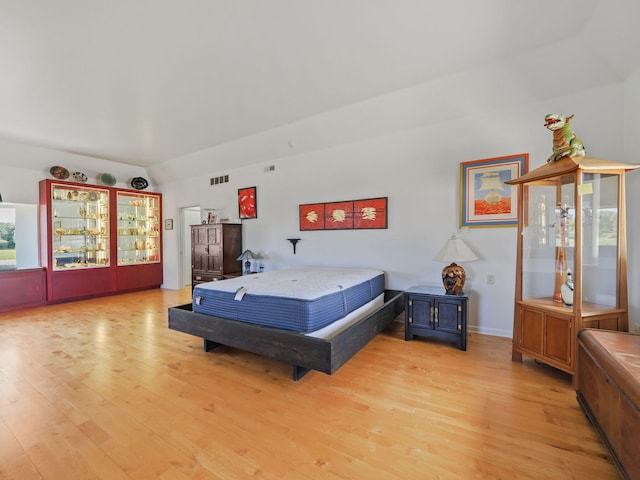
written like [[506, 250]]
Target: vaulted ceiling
[[146, 81]]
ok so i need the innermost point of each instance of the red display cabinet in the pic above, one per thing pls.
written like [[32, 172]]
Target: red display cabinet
[[83, 239]]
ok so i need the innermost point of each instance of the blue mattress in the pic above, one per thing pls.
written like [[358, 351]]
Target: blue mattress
[[301, 299]]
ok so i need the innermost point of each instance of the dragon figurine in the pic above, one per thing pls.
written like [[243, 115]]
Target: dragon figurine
[[565, 142]]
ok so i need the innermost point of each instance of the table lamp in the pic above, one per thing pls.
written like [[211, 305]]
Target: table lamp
[[453, 275], [247, 256]]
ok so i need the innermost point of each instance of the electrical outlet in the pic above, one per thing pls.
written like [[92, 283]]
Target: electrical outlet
[[491, 279]]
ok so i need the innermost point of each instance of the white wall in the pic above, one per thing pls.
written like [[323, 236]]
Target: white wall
[[418, 169], [19, 184]]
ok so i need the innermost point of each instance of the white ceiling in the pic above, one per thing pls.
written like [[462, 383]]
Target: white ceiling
[[146, 81]]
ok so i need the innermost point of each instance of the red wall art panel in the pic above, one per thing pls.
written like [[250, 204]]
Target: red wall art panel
[[312, 216], [346, 215], [370, 213], [247, 204], [338, 216]]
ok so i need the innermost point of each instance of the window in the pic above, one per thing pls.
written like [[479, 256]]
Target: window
[[18, 236], [7, 238]]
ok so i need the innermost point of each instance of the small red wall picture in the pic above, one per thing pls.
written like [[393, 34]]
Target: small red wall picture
[[247, 204], [371, 213], [312, 216], [338, 215]]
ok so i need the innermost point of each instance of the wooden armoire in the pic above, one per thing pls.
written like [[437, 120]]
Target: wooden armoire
[[215, 249]]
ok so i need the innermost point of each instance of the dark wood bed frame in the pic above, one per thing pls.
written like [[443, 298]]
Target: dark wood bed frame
[[302, 352]]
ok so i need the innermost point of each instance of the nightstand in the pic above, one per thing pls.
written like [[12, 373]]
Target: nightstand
[[430, 312]]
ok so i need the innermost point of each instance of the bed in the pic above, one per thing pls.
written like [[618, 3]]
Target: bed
[[279, 316]]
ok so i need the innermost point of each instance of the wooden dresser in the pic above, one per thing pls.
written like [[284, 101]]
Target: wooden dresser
[[215, 249], [608, 389]]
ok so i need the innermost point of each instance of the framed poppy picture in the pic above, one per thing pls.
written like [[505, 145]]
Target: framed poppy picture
[[485, 200], [247, 204]]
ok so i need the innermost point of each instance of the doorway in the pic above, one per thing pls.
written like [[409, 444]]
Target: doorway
[[188, 216]]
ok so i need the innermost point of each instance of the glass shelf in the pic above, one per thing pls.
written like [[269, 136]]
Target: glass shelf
[[80, 227], [138, 228]]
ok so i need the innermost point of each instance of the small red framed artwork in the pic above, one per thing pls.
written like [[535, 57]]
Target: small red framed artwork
[[370, 213], [247, 203], [338, 216], [312, 216], [362, 214]]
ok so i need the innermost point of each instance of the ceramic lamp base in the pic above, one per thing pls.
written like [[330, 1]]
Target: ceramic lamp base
[[453, 277]]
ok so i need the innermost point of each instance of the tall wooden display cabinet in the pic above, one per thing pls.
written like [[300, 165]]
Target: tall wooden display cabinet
[[571, 227]]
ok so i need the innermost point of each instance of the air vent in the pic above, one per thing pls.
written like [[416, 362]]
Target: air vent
[[220, 179]]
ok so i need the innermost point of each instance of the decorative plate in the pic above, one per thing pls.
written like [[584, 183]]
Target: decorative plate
[[59, 172], [139, 183], [107, 179], [79, 177]]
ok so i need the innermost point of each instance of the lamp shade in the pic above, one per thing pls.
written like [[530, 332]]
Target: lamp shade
[[455, 250], [248, 255]]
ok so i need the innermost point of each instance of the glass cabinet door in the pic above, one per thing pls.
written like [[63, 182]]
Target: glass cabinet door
[[80, 227], [550, 232], [600, 239], [548, 237], [138, 228]]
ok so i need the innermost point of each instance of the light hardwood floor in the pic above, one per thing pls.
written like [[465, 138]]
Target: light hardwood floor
[[103, 389]]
